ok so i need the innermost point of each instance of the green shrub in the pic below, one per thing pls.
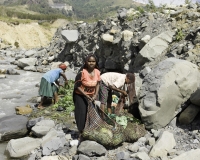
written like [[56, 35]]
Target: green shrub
[[140, 9], [16, 44], [151, 6], [66, 101], [188, 1], [179, 35]]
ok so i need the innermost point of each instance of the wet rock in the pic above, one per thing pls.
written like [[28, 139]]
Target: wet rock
[[13, 126]]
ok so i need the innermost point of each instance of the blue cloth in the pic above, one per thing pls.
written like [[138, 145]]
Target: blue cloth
[[52, 75]]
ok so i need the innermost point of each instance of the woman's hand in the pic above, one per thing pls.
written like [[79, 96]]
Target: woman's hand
[[124, 93], [89, 98], [109, 86], [94, 97], [61, 85]]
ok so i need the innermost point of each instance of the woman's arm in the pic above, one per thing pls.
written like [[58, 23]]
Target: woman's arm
[[118, 90], [83, 93], [64, 76], [77, 85], [57, 82]]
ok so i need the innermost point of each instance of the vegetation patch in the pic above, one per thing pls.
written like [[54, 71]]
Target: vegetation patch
[[65, 102], [179, 35]]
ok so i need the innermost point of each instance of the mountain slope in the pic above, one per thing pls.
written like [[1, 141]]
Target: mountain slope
[[28, 36], [82, 9]]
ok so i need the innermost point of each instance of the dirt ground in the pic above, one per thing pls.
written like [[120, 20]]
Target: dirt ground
[[27, 36]]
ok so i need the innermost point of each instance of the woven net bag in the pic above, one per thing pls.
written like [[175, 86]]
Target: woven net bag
[[96, 129], [134, 131]]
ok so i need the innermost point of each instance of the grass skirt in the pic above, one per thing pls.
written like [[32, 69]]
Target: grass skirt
[[47, 89]]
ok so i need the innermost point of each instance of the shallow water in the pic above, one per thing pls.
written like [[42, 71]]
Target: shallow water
[[2, 149], [15, 90]]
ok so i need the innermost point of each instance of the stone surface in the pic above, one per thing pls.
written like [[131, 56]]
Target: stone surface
[[21, 147], [13, 126], [164, 89], [23, 110], [188, 115]]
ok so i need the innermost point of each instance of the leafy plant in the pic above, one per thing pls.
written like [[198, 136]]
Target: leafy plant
[[140, 9], [16, 44], [188, 1], [151, 6], [122, 120], [179, 35], [131, 17], [66, 100]]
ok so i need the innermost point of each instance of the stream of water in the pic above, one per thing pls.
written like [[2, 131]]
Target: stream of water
[[15, 90]]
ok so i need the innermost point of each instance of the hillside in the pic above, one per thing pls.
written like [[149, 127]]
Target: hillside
[[28, 23], [81, 9], [31, 35]]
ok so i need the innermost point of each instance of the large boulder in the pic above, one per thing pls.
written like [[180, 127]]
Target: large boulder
[[22, 147], [13, 126], [70, 35], [154, 48], [23, 62], [164, 89], [195, 97]]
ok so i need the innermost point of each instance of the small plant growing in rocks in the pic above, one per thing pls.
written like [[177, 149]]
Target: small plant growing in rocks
[[188, 1], [179, 35], [140, 9], [151, 6], [16, 44]]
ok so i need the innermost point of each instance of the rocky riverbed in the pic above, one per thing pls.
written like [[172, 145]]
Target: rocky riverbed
[[17, 89], [174, 141]]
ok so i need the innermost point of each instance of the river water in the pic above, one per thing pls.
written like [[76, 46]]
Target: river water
[[16, 90]]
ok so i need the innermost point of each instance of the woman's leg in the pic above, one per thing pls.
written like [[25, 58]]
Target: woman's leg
[[103, 97], [43, 99], [81, 105], [55, 97], [109, 101]]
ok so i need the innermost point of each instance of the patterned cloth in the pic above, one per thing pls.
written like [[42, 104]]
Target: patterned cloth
[[47, 89], [105, 93]]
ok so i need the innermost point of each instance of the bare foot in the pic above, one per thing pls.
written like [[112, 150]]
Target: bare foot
[[40, 107], [80, 138]]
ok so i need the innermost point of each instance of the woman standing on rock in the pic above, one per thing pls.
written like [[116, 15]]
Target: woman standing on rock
[[49, 84], [86, 89]]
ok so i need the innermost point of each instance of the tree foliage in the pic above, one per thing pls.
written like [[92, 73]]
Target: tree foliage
[[82, 9]]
